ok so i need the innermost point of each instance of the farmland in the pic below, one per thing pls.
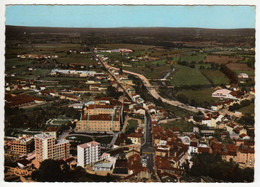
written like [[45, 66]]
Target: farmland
[[196, 95], [216, 77], [222, 59], [185, 76], [238, 67]]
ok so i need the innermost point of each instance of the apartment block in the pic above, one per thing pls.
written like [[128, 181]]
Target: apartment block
[[47, 147], [22, 145], [88, 153]]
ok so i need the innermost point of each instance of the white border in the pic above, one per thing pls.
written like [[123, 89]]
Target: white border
[[3, 3]]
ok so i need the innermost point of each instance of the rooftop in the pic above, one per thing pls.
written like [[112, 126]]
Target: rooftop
[[89, 144]]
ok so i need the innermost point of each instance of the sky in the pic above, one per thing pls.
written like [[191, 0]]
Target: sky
[[101, 16]]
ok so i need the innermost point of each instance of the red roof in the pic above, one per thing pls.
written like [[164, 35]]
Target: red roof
[[203, 149], [135, 135], [101, 117]]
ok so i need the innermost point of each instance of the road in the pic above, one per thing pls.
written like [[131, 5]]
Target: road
[[107, 69], [147, 148], [155, 94]]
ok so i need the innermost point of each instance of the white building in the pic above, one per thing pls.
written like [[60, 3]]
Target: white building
[[242, 76], [223, 93], [88, 153]]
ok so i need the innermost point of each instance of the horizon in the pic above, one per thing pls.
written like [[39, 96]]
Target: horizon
[[117, 16], [129, 27]]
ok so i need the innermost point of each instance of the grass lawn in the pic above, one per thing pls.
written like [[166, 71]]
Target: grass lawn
[[132, 126], [248, 109], [104, 140], [216, 77], [185, 76], [190, 58], [199, 95], [183, 126]]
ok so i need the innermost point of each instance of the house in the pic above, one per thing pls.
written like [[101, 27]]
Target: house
[[242, 76], [211, 119], [139, 110], [135, 138], [216, 106], [193, 148], [152, 109], [105, 164], [245, 156], [135, 96]]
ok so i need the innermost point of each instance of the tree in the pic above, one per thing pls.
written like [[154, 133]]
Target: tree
[[49, 171]]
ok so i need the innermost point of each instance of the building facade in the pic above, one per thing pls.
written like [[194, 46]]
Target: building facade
[[47, 147], [22, 145], [88, 153]]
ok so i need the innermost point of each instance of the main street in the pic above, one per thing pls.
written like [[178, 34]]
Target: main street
[[147, 148]]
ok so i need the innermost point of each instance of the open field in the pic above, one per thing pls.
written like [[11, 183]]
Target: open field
[[185, 76], [125, 45], [17, 62], [221, 59], [249, 73], [248, 109], [199, 95], [239, 67], [190, 58], [216, 77], [153, 72]]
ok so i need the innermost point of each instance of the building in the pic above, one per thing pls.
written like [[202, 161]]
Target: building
[[100, 123], [242, 76], [135, 138], [102, 116], [221, 93], [47, 147], [22, 145], [88, 153]]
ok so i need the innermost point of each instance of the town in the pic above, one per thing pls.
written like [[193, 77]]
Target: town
[[94, 111]]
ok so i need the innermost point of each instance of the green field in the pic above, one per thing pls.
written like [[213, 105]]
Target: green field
[[132, 126], [216, 77], [185, 76], [153, 72], [17, 62], [249, 73], [248, 109], [189, 58], [199, 95]]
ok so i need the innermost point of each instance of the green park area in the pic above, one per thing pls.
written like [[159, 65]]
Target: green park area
[[131, 127]]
